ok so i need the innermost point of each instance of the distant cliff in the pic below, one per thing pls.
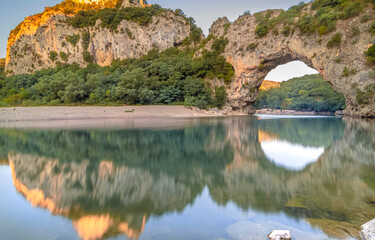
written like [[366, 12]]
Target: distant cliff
[[83, 31], [269, 84]]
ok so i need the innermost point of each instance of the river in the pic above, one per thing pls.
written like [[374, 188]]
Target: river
[[206, 178]]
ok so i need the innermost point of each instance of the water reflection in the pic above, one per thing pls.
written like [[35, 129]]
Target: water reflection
[[112, 183], [290, 156]]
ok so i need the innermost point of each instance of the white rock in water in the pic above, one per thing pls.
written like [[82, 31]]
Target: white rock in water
[[368, 230], [280, 235]]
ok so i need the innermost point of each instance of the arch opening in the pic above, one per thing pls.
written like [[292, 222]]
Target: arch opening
[[287, 71], [294, 87]]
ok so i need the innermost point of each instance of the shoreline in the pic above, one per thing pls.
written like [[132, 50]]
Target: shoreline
[[16, 114], [61, 113], [67, 117], [294, 113], [134, 116]]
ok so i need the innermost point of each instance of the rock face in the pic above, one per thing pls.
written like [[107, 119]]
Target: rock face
[[253, 63], [368, 230], [31, 44]]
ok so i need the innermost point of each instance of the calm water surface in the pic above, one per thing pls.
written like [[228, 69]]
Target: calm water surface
[[228, 178]]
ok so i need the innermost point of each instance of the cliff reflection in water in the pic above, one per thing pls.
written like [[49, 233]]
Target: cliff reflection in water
[[110, 182]]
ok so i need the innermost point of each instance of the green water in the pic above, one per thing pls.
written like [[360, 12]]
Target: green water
[[225, 178]]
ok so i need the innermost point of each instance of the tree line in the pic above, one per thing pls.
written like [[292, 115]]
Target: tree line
[[307, 93], [170, 77]]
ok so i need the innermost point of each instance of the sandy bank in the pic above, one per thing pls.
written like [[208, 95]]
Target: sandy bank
[[76, 113], [77, 117]]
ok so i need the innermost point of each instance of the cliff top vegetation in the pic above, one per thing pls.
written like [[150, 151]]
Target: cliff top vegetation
[[319, 16]]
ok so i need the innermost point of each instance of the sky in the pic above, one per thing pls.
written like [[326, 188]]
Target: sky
[[204, 12]]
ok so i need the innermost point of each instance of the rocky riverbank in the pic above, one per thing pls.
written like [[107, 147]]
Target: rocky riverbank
[[293, 112]]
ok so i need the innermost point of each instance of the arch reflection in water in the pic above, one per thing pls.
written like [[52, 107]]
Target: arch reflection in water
[[291, 156], [141, 183]]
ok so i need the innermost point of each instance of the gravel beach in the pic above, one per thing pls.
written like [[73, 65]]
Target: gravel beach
[[85, 116], [75, 113]]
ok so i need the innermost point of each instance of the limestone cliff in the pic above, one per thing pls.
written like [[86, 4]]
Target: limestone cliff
[[255, 55], [46, 39]]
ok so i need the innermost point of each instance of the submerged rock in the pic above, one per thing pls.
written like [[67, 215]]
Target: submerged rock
[[280, 235], [368, 230]]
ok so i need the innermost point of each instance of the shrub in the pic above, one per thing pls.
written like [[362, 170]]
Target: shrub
[[370, 53], [229, 73], [366, 96], [345, 72], [261, 66], [365, 18], [73, 39], [261, 31], [372, 28], [335, 41], [306, 24], [324, 3], [87, 57], [64, 56], [351, 9], [355, 31], [53, 55], [85, 40], [252, 46], [220, 96], [219, 45], [226, 27], [286, 31], [326, 23]]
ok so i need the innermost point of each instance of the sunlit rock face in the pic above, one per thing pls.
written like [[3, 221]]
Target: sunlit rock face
[[60, 188], [30, 44], [90, 1], [276, 49], [94, 227]]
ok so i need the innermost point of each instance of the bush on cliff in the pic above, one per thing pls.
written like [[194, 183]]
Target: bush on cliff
[[2, 66], [112, 17], [322, 19], [370, 53]]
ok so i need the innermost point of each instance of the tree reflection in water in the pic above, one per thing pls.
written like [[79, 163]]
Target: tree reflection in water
[[110, 182]]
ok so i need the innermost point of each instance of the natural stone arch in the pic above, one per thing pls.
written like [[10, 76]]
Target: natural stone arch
[[252, 64], [250, 77]]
